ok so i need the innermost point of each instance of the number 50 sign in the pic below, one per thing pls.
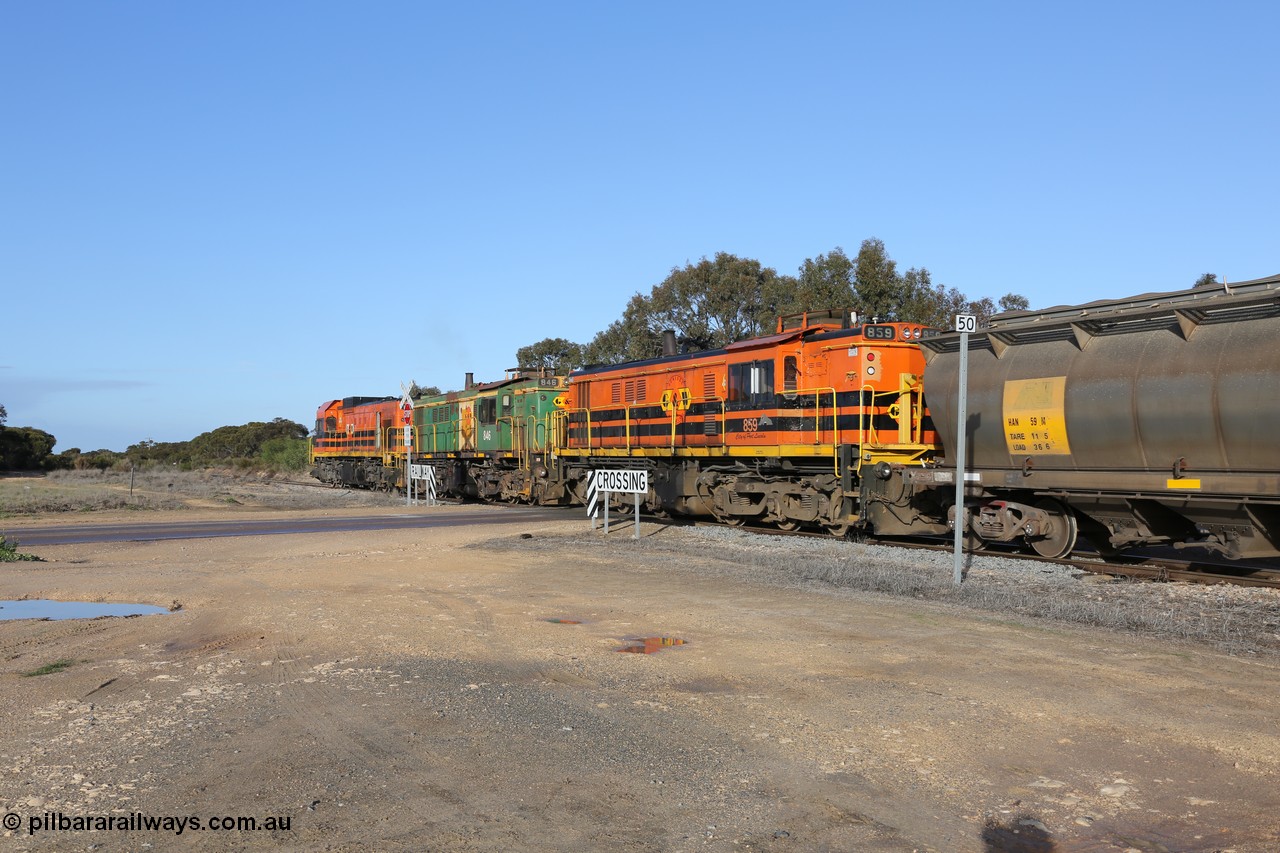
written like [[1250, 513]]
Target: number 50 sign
[[966, 323]]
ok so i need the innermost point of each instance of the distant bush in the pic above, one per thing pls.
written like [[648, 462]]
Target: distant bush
[[24, 448], [245, 446]]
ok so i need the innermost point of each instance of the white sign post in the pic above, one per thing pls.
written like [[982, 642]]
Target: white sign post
[[426, 475], [406, 417], [965, 323], [604, 481]]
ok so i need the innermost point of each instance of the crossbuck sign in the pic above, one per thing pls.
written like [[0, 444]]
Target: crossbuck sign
[[603, 481]]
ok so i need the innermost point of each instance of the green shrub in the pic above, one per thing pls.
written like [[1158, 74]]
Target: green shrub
[[9, 553], [286, 454], [50, 668]]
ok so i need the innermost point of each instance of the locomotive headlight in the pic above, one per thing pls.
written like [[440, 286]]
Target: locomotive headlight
[[871, 371]]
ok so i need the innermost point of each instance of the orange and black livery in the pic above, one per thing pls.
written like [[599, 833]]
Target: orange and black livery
[[779, 429]]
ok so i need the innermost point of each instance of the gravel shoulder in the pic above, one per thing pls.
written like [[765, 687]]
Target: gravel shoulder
[[409, 690]]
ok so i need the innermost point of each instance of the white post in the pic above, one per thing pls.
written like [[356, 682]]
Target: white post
[[605, 495], [406, 409], [965, 323], [637, 536]]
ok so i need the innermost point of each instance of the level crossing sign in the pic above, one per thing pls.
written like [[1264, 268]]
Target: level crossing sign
[[422, 481], [603, 481]]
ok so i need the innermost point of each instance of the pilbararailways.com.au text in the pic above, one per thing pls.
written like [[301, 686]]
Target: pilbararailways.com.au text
[[139, 822]]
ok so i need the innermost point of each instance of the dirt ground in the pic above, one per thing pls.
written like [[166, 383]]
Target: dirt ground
[[461, 689]]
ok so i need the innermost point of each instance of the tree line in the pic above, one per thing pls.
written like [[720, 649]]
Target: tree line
[[727, 298], [279, 444], [708, 304]]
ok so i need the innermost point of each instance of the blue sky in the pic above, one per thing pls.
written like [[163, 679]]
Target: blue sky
[[224, 212]]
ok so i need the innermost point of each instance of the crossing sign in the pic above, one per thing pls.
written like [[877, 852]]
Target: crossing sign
[[603, 481]]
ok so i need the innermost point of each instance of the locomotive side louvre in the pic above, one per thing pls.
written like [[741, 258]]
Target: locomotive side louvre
[[1129, 422], [776, 429]]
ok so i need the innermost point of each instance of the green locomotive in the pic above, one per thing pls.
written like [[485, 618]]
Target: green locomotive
[[488, 441]]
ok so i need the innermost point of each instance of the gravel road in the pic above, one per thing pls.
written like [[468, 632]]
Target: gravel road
[[462, 689]]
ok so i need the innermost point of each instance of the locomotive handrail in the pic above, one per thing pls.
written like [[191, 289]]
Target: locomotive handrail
[[817, 419], [817, 412], [393, 446], [519, 446], [863, 427], [715, 398], [565, 416]]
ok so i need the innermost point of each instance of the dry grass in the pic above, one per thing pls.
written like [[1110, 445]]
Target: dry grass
[[161, 489]]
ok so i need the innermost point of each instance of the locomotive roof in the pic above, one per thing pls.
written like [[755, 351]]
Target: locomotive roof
[[644, 362], [476, 388], [813, 333]]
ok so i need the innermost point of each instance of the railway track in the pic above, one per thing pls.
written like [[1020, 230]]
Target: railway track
[[1159, 569], [1152, 568]]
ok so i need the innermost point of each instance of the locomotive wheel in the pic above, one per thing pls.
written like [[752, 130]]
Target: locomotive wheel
[[838, 530], [787, 525], [1062, 535]]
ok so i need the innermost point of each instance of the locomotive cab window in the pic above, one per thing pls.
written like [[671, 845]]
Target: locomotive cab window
[[506, 404], [751, 385], [487, 410], [790, 375]]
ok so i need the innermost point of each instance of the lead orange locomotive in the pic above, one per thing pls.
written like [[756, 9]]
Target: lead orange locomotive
[[781, 430]]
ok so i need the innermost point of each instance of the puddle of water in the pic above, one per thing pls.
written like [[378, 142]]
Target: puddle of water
[[565, 621], [41, 608], [649, 645]]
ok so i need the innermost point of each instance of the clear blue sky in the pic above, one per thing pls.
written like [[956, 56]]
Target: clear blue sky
[[224, 212]]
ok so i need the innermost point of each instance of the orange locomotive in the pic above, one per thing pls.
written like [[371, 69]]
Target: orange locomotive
[[355, 442], [782, 429]]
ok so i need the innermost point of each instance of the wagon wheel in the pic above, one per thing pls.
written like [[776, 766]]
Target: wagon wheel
[[733, 520], [1060, 538], [788, 525], [837, 530]]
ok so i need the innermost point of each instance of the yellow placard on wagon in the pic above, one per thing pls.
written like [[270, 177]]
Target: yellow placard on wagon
[[1034, 421]]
